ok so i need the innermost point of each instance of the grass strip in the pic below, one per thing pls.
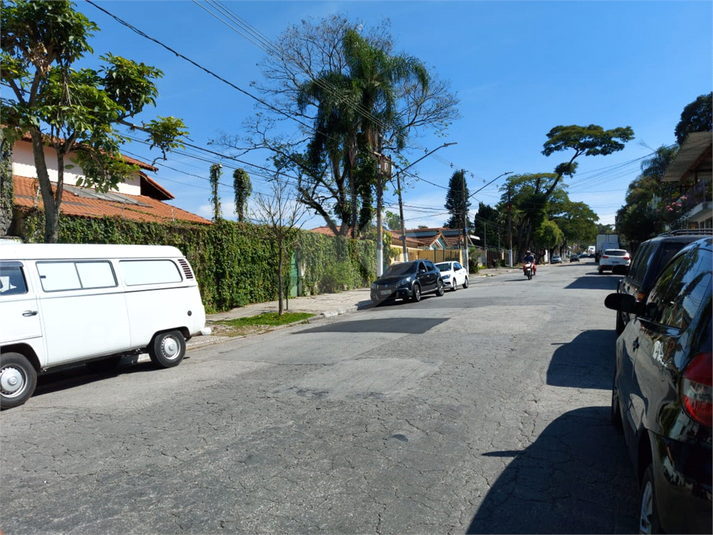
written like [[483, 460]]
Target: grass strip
[[267, 318]]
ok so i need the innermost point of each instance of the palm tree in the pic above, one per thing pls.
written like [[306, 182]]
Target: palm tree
[[356, 113]]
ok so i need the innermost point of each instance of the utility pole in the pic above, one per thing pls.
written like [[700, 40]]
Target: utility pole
[[401, 204], [401, 218], [384, 170], [464, 211], [485, 242], [509, 226]]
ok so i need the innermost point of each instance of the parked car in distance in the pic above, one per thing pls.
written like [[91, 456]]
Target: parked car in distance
[[407, 280], [614, 260], [574, 258], [453, 274], [662, 392], [648, 261], [556, 259]]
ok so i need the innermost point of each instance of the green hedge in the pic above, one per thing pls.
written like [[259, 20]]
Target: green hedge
[[235, 263]]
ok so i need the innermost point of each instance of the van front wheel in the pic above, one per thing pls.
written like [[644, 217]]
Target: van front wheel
[[167, 349], [18, 379]]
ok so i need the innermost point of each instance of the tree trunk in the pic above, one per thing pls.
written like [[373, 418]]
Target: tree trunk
[[6, 186], [280, 256], [51, 202]]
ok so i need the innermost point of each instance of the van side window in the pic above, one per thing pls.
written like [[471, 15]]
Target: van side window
[[65, 276], [12, 280], [138, 272], [96, 275]]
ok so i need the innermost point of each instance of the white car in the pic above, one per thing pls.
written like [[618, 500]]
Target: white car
[[454, 275], [614, 260]]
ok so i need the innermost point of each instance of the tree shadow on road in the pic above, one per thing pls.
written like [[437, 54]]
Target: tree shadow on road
[[585, 362], [575, 478], [594, 281]]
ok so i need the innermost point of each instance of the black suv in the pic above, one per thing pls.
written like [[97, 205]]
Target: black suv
[[407, 280], [662, 394], [649, 259]]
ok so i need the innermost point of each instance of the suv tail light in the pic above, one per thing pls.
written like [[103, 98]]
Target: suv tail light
[[697, 389], [605, 256]]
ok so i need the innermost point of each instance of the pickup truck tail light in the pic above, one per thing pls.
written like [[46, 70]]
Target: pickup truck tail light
[[697, 389]]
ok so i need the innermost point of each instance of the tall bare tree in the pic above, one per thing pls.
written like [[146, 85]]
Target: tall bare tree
[[347, 93], [282, 215]]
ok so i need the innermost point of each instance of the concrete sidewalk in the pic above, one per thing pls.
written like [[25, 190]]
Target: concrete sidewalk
[[327, 305]]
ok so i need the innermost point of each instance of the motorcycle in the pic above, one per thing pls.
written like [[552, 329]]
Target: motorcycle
[[527, 270]]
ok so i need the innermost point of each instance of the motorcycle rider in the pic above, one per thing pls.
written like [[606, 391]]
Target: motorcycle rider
[[529, 257]]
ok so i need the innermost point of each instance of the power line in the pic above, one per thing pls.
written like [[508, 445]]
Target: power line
[[195, 64]]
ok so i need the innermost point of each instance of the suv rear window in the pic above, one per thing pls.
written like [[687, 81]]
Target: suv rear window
[[615, 252]]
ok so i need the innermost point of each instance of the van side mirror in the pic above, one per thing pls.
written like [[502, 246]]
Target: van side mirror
[[621, 302]]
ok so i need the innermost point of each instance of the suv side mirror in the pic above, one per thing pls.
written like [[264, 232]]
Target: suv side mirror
[[621, 302]]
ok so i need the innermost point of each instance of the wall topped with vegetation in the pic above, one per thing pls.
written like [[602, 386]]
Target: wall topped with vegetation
[[235, 263]]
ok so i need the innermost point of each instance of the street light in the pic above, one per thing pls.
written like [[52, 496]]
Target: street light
[[485, 239], [379, 238]]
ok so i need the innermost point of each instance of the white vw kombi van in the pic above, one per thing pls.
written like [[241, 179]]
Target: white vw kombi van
[[64, 304]]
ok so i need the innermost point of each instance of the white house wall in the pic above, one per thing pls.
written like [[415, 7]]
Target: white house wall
[[23, 164]]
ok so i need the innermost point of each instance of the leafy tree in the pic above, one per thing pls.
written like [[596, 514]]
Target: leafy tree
[[73, 111], [529, 205], [535, 191], [457, 201], [696, 117], [590, 140], [548, 235], [6, 185], [490, 221], [243, 189], [393, 221], [576, 220], [215, 173]]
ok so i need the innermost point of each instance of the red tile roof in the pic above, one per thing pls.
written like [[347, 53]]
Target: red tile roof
[[133, 207], [325, 230]]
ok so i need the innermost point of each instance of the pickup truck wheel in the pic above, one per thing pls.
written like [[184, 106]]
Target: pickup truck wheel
[[167, 349], [18, 379]]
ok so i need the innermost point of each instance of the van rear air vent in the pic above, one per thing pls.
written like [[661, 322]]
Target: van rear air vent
[[186, 268]]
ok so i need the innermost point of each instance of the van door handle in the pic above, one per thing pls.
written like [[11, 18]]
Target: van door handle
[[29, 313]]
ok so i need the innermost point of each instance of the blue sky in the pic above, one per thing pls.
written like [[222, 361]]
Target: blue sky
[[518, 68]]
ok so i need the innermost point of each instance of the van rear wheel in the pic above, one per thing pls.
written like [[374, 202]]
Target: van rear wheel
[[18, 379], [167, 349]]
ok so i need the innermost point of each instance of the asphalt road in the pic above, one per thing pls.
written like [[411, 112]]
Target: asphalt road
[[483, 411]]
